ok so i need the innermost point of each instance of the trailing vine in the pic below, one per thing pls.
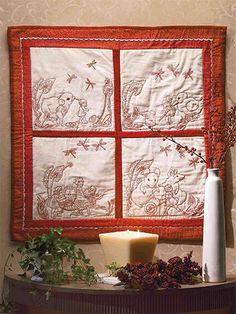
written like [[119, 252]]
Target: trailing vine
[[51, 259], [45, 256]]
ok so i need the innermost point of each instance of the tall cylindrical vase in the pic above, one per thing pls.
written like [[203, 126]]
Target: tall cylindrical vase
[[213, 263]]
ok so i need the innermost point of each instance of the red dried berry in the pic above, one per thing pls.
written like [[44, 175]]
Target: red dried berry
[[151, 276]]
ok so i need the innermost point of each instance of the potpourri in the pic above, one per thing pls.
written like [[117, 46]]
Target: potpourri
[[152, 276]]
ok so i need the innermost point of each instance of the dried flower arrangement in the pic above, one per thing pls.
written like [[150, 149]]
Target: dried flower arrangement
[[152, 276], [221, 135]]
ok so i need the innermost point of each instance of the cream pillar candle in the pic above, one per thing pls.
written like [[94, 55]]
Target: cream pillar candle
[[125, 247]]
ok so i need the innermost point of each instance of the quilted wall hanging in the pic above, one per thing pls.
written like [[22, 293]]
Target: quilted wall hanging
[[90, 108]]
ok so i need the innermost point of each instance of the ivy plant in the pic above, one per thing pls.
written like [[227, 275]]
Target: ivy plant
[[45, 256], [112, 268], [47, 253]]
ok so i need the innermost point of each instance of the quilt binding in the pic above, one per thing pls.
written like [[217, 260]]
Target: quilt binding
[[182, 229]]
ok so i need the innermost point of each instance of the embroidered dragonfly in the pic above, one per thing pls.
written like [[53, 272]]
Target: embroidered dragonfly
[[71, 77], [158, 74], [173, 69], [181, 152], [165, 149], [100, 144], [188, 74], [71, 151], [83, 144], [89, 83], [92, 64], [193, 162]]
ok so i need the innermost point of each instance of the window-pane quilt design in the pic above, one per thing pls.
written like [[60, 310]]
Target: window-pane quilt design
[[91, 110]]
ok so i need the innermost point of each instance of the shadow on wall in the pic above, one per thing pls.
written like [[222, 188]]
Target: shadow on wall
[[229, 197]]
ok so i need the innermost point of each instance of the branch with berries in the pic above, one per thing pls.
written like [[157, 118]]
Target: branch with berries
[[179, 147], [220, 134]]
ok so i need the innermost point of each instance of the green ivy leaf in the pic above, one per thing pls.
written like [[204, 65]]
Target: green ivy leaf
[[47, 252]]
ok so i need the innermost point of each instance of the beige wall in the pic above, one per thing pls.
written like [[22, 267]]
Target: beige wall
[[115, 12]]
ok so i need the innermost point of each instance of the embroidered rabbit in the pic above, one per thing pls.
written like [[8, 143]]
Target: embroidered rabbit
[[171, 192]]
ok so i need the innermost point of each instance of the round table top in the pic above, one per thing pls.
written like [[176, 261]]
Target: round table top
[[102, 288]]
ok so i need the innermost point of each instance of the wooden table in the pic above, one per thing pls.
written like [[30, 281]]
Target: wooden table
[[31, 297]]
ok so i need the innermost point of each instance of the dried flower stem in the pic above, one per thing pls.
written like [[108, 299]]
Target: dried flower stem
[[221, 135], [229, 142]]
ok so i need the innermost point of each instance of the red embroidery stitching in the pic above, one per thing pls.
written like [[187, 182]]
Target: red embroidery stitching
[[188, 106], [146, 193], [158, 74], [89, 83], [174, 69], [71, 151], [52, 109], [193, 162], [74, 198], [188, 74], [130, 89], [165, 149], [185, 107], [84, 144], [169, 109], [100, 144], [50, 112], [71, 77], [105, 119], [40, 88], [92, 64], [181, 152]]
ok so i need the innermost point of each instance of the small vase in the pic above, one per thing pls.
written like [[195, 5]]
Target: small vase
[[213, 263]]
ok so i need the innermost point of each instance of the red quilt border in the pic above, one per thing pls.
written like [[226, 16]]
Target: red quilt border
[[89, 230]]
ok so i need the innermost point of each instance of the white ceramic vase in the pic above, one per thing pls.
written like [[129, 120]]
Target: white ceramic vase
[[213, 263]]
